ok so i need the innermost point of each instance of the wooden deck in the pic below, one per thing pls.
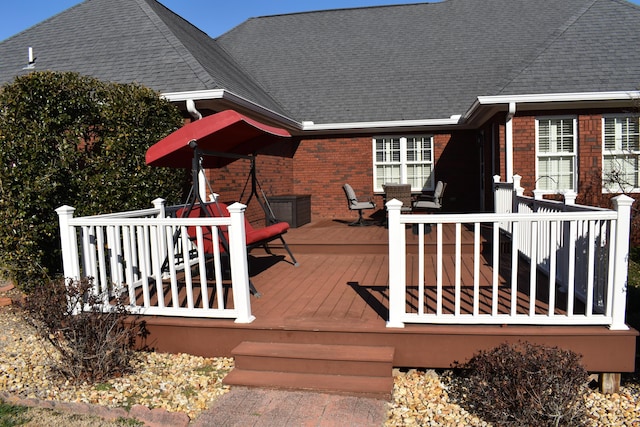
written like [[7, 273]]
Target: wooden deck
[[339, 295]]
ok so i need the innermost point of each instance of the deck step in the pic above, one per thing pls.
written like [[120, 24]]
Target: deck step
[[342, 369]]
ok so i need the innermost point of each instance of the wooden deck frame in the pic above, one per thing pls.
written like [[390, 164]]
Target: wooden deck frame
[[339, 295]]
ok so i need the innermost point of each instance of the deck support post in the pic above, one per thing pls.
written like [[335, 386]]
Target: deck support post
[[622, 204], [397, 265], [239, 264], [69, 243], [609, 382]]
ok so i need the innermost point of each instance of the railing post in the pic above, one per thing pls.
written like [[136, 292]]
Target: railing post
[[159, 204], [397, 265], [68, 242], [622, 204], [239, 264], [570, 197], [516, 185]]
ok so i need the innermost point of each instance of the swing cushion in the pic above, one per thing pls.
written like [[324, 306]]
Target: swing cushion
[[254, 236]]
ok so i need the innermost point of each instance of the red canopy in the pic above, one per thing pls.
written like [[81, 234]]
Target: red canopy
[[224, 132]]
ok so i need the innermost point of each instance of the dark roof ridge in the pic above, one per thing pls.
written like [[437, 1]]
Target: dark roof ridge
[[339, 9], [252, 78], [552, 39], [177, 44], [194, 61]]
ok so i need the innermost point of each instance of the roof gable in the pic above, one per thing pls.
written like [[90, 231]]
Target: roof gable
[[428, 60], [596, 52], [129, 41]]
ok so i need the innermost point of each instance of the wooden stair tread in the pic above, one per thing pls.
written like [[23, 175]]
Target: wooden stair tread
[[379, 387], [315, 351]]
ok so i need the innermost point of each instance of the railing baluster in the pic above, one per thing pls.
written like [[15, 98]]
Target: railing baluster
[[102, 263], [591, 249], [571, 259], [438, 269], [533, 269], [495, 282], [457, 262], [202, 267], [421, 269], [188, 281], [476, 268], [158, 256], [128, 263], [143, 247], [169, 231], [553, 256], [217, 265], [514, 268]]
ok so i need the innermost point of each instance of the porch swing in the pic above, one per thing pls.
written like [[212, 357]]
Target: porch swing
[[234, 137]]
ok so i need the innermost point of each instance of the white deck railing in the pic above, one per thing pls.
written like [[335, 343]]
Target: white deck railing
[[579, 251], [141, 253]]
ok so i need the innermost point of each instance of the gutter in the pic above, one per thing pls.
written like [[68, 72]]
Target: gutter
[[542, 98], [225, 95], [475, 112], [311, 126]]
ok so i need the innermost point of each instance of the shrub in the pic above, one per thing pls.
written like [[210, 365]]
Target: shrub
[[525, 385], [92, 345], [67, 139]]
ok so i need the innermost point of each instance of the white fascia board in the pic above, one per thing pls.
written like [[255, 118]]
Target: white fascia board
[[542, 98], [310, 126], [305, 125], [225, 95], [559, 97]]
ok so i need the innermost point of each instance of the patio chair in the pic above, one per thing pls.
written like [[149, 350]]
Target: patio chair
[[431, 202], [400, 192], [357, 205]]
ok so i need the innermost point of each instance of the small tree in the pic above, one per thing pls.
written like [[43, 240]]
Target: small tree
[[74, 140]]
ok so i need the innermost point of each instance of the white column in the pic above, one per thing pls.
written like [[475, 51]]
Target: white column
[[239, 264], [622, 204], [69, 244], [397, 265], [508, 141]]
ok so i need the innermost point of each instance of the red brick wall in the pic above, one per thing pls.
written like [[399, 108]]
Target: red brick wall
[[524, 151], [321, 166]]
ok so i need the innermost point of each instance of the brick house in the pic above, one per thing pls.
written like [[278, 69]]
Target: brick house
[[457, 91]]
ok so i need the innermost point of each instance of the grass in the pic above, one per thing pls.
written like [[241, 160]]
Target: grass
[[12, 415]]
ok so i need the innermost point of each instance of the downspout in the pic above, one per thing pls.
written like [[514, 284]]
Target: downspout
[[202, 179], [191, 108], [508, 142]]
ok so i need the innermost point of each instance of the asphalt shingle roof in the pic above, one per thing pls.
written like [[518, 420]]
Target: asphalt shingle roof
[[415, 61], [129, 41], [431, 60]]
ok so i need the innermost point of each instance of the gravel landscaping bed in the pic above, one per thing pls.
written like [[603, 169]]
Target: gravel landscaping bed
[[189, 384]]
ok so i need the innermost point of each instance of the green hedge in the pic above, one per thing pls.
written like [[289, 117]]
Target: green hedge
[[68, 139]]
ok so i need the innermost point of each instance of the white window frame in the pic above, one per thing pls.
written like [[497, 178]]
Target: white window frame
[[619, 150], [403, 163], [551, 154]]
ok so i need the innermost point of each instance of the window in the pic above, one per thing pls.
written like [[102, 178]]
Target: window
[[407, 160], [556, 154], [620, 153]]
